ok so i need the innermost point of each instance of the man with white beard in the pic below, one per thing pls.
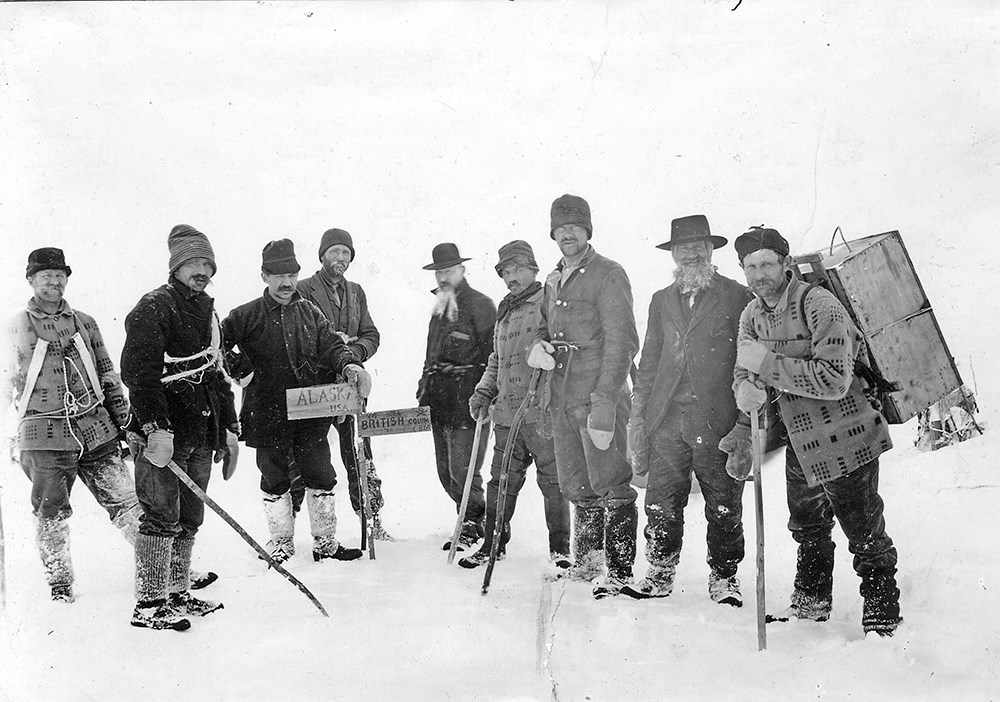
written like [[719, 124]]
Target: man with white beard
[[682, 406], [459, 342]]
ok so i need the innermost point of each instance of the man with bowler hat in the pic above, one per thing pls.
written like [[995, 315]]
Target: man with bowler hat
[[182, 409], [71, 411], [285, 342], [345, 304], [587, 339], [797, 343], [682, 406], [459, 341]]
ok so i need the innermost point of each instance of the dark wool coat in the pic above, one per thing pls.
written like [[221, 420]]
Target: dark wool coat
[[285, 346], [174, 320], [359, 326], [832, 427], [705, 347], [507, 373], [457, 354], [593, 311]]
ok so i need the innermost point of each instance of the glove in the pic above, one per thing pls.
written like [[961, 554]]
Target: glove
[[136, 442], [159, 447], [638, 447], [229, 454], [356, 375], [479, 405], [750, 397], [750, 355], [540, 356], [737, 444], [601, 422]]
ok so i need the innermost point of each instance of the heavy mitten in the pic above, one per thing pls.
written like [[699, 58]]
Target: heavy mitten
[[479, 404], [738, 445], [540, 356], [159, 447], [359, 376], [749, 397], [601, 421], [638, 447]]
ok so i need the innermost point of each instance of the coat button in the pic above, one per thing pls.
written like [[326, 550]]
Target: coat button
[[558, 365]]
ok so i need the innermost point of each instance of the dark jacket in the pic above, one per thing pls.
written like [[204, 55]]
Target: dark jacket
[[457, 353], [285, 346], [705, 347], [359, 326], [174, 320], [592, 310]]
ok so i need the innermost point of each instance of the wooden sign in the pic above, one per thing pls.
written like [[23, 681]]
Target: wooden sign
[[322, 401], [401, 421]]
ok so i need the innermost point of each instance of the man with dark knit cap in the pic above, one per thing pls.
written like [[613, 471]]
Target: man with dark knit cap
[[587, 339], [500, 393], [345, 304], [285, 342], [459, 341], [798, 346], [682, 406], [182, 409], [71, 409]]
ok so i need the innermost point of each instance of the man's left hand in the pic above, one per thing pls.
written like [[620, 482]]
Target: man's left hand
[[750, 355], [358, 376]]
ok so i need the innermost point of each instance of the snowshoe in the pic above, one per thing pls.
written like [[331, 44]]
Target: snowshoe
[[480, 557], [341, 554], [157, 614], [659, 582], [184, 604], [609, 587], [200, 579], [62, 593], [725, 590]]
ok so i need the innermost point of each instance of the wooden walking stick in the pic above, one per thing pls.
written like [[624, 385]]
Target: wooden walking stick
[[757, 451], [468, 485]]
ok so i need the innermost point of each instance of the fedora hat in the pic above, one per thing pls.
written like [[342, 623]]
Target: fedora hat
[[445, 256], [691, 228]]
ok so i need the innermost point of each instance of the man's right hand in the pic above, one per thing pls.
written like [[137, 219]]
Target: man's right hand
[[750, 397], [159, 447], [638, 447], [540, 356], [479, 405]]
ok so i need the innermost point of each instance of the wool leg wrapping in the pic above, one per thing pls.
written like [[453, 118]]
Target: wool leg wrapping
[[152, 566], [52, 537]]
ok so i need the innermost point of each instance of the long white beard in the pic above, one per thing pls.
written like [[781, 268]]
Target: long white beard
[[696, 277], [446, 303]]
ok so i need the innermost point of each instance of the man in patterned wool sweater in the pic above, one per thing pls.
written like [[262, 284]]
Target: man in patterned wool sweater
[[797, 343]]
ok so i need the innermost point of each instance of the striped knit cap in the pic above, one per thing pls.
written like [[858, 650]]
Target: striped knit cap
[[185, 243]]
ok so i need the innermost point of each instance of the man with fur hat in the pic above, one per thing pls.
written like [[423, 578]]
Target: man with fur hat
[[587, 339], [798, 344], [682, 406], [459, 341], [71, 409], [345, 304], [285, 342], [182, 409], [500, 393]]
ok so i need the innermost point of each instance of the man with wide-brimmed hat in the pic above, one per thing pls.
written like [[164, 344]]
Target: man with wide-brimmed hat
[[182, 410], [500, 393], [286, 342], [682, 407], [587, 339], [797, 344], [345, 304], [459, 341], [71, 410]]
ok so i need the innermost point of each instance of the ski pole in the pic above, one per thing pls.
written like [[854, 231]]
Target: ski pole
[[3, 563], [468, 486], [203, 496], [508, 453], [757, 451]]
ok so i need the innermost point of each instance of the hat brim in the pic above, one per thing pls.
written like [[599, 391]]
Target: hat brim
[[717, 242], [445, 264], [281, 268]]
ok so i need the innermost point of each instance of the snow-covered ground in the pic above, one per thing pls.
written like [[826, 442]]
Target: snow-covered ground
[[414, 123]]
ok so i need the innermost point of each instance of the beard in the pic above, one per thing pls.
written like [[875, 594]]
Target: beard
[[336, 269], [446, 304], [695, 276]]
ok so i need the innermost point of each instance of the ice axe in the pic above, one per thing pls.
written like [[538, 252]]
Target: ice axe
[[469, 474], [203, 496]]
